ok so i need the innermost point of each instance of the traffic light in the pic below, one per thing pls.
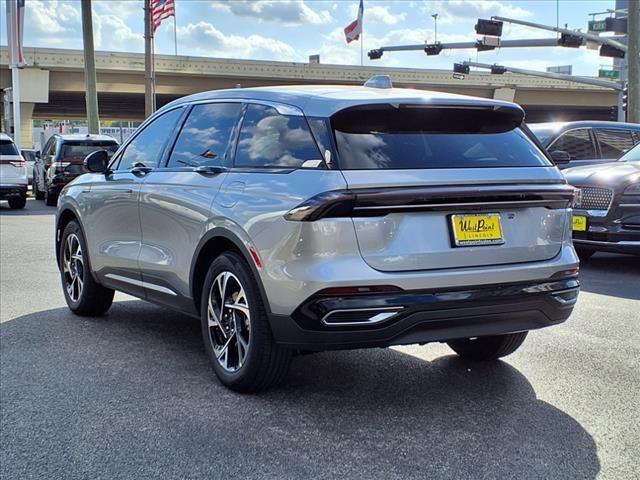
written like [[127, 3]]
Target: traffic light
[[375, 54], [625, 97], [461, 68], [489, 27], [616, 24], [498, 69], [433, 48], [571, 41], [610, 51]]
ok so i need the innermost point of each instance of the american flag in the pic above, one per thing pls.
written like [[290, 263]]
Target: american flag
[[354, 29], [161, 9]]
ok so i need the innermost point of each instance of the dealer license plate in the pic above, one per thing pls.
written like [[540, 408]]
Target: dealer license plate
[[579, 223], [469, 230]]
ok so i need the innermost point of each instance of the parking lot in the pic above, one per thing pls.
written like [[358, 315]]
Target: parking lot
[[132, 395]]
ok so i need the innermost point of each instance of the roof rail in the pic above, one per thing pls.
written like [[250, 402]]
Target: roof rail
[[379, 81]]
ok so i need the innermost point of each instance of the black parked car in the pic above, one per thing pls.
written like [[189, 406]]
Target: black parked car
[[587, 142], [607, 213], [62, 160]]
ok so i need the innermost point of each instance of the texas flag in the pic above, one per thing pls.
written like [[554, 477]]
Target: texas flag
[[354, 29]]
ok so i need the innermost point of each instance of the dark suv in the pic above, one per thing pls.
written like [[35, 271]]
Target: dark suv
[[587, 142], [61, 161]]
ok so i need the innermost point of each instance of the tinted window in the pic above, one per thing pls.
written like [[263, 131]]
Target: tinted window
[[7, 147], [147, 146], [542, 133], [75, 151], [29, 155], [577, 143], [205, 136], [269, 139], [613, 142], [415, 137]]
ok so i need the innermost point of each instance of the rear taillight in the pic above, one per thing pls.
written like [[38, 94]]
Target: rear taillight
[[577, 198], [572, 272], [17, 163], [60, 165]]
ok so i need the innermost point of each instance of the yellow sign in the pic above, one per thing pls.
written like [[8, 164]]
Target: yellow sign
[[579, 223], [471, 230]]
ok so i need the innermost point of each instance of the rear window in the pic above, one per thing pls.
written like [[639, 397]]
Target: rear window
[[79, 150], [412, 137], [7, 147]]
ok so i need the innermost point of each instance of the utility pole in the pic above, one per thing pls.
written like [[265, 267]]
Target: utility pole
[[633, 62], [149, 75], [91, 94]]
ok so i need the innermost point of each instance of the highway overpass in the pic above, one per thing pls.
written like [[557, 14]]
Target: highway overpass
[[55, 80]]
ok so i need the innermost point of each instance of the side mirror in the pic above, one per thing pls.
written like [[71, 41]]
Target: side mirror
[[97, 162], [560, 157]]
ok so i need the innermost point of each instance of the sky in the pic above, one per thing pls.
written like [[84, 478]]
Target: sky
[[291, 30]]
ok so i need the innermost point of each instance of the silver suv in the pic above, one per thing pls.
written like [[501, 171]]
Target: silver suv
[[325, 217]]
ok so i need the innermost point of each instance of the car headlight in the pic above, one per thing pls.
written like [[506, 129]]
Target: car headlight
[[633, 189]]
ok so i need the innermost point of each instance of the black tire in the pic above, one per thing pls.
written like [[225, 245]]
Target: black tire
[[488, 348], [50, 199], [265, 363], [584, 254], [18, 202], [92, 299], [37, 193]]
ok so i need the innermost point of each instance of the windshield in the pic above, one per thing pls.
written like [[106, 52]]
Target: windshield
[[542, 133], [387, 137], [632, 155], [7, 147], [78, 150]]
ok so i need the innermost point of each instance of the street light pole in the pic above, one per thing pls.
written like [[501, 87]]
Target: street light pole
[[435, 22], [91, 94]]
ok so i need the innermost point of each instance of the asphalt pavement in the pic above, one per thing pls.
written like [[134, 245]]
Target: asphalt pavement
[[132, 395]]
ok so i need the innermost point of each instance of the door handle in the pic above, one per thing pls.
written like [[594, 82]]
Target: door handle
[[140, 170]]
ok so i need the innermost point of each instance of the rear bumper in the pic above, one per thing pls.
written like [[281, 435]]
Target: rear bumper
[[622, 246], [407, 317], [12, 191]]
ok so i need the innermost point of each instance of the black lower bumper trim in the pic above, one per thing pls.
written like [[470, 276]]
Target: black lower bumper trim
[[429, 316]]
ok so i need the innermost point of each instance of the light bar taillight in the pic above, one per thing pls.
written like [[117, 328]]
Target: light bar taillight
[[17, 163], [375, 202]]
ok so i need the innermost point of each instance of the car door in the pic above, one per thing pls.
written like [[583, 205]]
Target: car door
[[112, 225], [579, 143], [175, 200], [613, 142]]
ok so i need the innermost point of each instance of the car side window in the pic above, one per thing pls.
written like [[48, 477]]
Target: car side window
[[270, 139], [146, 148], [205, 137], [613, 142], [577, 143]]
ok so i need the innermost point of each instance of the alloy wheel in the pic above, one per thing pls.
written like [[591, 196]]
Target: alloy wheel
[[229, 321], [73, 267]]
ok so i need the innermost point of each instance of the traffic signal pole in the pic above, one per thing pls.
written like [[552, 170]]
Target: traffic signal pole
[[633, 62]]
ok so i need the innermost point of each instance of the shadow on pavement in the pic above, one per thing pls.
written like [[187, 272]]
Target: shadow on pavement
[[33, 207], [131, 395], [611, 274]]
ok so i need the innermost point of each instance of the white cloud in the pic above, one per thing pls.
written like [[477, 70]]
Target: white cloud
[[452, 11], [52, 20], [378, 14], [111, 33], [285, 12], [122, 8], [205, 38]]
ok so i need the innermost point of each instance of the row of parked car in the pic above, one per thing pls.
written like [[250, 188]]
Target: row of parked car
[[47, 171]]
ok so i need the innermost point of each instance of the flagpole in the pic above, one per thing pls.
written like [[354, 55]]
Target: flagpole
[[149, 77], [362, 48], [175, 31]]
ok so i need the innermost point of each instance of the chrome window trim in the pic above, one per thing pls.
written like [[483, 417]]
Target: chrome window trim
[[281, 108]]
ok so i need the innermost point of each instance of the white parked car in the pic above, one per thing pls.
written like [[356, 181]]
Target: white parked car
[[13, 173]]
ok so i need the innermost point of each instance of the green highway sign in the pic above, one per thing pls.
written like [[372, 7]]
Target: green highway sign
[[598, 26], [612, 74]]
